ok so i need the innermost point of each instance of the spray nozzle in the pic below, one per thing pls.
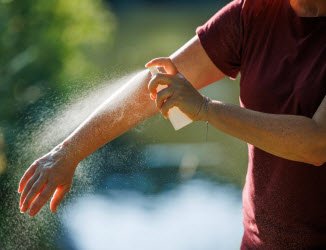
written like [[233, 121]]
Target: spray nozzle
[[154, 70], [176, 116]]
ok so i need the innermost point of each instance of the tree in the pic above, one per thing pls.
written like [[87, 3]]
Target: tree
[[43, 46]]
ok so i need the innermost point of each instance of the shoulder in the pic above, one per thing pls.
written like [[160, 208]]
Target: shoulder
[[252, 9], [258, 5]]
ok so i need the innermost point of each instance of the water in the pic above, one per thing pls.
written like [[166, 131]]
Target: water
[[196, 216]]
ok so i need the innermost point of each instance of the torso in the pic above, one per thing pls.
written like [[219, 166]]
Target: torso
[[283, 71]]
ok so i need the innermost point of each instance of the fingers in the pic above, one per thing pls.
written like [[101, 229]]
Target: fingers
[[27, 187], [27, 175], [163, 95], [58, 197], [167, 105], [33, 191], [41, 199], [158, 79], [164, 62]]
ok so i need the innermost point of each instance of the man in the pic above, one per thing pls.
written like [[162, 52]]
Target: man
[[278, 46]]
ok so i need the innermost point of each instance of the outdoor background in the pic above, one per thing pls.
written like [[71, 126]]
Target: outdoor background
[[152, 188]]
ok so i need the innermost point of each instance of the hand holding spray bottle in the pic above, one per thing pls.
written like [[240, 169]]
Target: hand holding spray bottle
[[176, 116]]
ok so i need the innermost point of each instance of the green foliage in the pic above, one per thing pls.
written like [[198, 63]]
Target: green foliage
[[44, 47], [46, 44]]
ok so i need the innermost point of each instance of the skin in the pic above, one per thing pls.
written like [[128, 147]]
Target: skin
[[309, 8], [296, 138], [51, 175]]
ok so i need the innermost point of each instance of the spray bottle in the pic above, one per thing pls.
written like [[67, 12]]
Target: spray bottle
[[176, 116]]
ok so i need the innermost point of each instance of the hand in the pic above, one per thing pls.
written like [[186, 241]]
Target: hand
[[179, 92], [49, 175]]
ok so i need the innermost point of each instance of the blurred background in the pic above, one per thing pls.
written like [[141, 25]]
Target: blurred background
[[152, 188]]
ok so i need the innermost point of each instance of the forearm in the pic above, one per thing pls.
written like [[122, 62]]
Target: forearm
[[119, 113], [292, 137], [52, 174]]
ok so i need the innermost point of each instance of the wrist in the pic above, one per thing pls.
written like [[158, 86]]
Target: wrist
[[67, 151], [204, 114]]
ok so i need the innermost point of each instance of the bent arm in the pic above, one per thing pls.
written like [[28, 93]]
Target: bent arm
[[194, 64], [122, 112], [51, 175], [296, 138]]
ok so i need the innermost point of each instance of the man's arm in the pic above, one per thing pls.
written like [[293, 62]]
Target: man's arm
[[52, 173]]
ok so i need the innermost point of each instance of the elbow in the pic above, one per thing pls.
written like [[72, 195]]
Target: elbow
[[314, 150], [313, 160], [317, 162], [317, 157]]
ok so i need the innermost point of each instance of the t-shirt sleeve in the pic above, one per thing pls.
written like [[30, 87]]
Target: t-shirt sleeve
[[221, 38]]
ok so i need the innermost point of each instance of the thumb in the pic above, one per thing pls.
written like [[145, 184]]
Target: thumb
[[164, 62], [58, 197]]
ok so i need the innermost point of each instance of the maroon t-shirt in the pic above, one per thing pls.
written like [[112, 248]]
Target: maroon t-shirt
[[282, 61]]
